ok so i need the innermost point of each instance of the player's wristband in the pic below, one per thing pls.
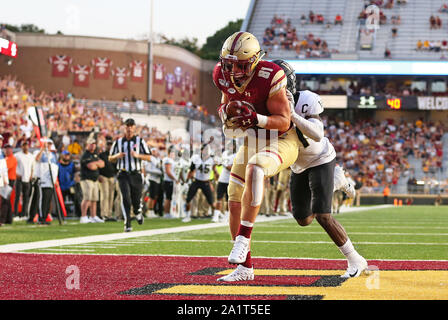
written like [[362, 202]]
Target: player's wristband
[[262, 120]]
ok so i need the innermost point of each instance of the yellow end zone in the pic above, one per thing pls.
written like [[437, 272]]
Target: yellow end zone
[[378, 285]]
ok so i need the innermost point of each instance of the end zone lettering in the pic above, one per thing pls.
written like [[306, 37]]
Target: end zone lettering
[[433, 103]]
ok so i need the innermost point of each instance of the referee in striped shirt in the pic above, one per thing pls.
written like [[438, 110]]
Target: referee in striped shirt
[[128, 152]]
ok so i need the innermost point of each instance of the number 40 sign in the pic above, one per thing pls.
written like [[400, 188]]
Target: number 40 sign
[[8, 48]]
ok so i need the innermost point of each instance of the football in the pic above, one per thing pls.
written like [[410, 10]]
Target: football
[[235, 108]]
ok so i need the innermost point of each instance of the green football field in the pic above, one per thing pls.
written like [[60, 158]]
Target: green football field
[[398, 233]]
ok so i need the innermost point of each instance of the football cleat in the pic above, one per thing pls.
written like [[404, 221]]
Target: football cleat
[[241, 273], [355, 270], [140, 218], [239, 250], [349, 189]]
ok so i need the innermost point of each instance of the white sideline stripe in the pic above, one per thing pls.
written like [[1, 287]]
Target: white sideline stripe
[[15, 247], [299, 242]]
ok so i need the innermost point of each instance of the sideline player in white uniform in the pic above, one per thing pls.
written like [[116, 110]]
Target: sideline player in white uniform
[[312, 178], [181, 168], [201, 166], [154, 173], [169, 180], [223, 182]]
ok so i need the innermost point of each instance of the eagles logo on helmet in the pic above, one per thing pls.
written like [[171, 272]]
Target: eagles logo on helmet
[[239, 56]]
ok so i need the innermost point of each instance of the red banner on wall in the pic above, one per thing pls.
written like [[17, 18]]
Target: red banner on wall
[[120, 77], [81, 75], [60, 65], [101, 68], [137, 70]]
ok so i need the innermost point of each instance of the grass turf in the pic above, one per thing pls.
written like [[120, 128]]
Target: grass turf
[[416, 232]]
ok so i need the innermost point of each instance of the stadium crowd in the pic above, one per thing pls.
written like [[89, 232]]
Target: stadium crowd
[[377, 152], [374, 153], [281, 34]]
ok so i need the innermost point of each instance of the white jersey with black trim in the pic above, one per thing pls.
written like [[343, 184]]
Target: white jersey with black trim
[[202, 168], [165, 161], [181, 168], [227, 160], [316, 153]]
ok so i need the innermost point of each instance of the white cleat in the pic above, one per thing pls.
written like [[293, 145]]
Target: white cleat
[[349, 189], [241, 273], [239, 250], [355, 270], [186, 219]]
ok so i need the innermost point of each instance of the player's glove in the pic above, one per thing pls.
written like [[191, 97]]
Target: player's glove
[[247, 119]]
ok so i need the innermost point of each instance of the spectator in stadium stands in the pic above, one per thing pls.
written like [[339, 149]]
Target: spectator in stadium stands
[[303, 20], [320, 19], [311, 17], [419, 45], [402, 1], [387, 53], [338, 20], [74, 148], [396, 20], [24, 173], [444, 8], [66, 176], [394, 32], [389, 4], [432, 22], [438, 23]]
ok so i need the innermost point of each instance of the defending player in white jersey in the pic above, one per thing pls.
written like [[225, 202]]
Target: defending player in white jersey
[[201, 166], [312, 179]]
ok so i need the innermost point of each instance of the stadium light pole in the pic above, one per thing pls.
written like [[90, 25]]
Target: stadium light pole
[[150, 53]]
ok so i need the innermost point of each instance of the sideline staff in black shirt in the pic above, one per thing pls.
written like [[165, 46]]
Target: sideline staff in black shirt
[[128, 152]]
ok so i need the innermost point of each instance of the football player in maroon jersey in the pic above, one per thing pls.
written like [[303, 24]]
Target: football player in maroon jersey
[[271, 143]]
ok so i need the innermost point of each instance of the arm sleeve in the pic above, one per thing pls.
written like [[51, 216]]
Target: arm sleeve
[[312, 128]]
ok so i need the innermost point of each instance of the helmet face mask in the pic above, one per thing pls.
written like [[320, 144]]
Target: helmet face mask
[[240, 55]]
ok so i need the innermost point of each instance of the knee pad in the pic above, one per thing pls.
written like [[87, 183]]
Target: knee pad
[[257, 185]]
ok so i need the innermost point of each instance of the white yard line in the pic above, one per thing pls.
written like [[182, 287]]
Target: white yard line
[[15, 247]]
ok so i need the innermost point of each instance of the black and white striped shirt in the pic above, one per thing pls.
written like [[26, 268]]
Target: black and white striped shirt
[[128, 162]]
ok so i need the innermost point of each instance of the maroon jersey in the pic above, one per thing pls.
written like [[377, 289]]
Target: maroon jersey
[[267, 79]]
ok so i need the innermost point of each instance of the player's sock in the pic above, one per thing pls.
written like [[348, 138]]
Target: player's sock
[[248, 262], [349, 252], [245, 229]]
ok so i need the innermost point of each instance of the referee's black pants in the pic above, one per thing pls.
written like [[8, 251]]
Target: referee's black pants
[[131, 187]]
